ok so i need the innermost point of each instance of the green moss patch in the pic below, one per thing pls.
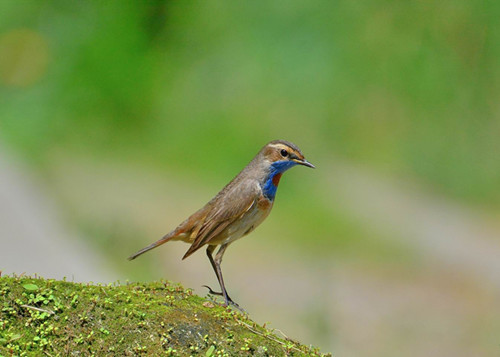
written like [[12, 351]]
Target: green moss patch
[[60, 318]]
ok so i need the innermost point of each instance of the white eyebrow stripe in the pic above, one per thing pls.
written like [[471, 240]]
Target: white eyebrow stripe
[[282, 146]]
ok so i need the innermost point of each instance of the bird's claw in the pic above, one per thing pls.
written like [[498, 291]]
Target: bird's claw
[[229, 300], [210, 291]]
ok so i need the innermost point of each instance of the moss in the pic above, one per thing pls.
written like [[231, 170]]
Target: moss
[[60, 318]]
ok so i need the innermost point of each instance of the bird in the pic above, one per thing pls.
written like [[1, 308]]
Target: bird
[[237, 209]]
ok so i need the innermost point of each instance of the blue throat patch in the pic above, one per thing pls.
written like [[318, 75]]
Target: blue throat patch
[[278, 167]]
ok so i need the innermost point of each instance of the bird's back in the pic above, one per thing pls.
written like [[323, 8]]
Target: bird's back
[[231, 214]]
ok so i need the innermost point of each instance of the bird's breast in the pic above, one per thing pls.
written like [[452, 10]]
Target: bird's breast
[[250, 220], [270, 185], [276, 179], [264, 204]]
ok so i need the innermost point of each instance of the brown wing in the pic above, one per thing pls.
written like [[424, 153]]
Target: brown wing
[[227, 207]]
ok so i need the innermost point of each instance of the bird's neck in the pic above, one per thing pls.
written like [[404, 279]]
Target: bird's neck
[[273, 177]]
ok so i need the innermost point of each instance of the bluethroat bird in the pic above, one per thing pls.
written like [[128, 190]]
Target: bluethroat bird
[[237, 209]]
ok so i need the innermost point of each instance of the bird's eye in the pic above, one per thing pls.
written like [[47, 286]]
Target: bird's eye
[[284, 153]]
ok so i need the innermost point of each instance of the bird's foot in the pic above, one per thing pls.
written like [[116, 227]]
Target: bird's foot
[[211, 292], [228, 301]]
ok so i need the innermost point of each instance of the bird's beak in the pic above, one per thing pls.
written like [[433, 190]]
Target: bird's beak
[[304, 162]]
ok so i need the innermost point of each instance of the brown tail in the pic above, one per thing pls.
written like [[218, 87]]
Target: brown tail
[[165, 239]]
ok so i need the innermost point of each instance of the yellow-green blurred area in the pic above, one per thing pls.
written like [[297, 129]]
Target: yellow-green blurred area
[[132, 114]]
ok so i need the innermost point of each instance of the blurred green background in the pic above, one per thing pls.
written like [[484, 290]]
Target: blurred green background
[[133, 114]]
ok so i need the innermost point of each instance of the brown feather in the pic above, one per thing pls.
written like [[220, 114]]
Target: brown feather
[[159, 242], [219, 219]]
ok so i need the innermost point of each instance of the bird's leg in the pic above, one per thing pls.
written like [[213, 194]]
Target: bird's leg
[[210, 251], [218, 272]]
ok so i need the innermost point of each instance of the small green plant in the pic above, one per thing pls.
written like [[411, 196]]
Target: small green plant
[[48, 317]]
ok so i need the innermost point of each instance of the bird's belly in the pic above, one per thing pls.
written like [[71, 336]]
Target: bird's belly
[[250, 220]]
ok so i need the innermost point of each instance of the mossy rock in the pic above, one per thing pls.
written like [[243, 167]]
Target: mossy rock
[[59, 318]]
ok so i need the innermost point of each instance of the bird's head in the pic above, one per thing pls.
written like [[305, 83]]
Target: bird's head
[[274, 159], [282, 155]]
